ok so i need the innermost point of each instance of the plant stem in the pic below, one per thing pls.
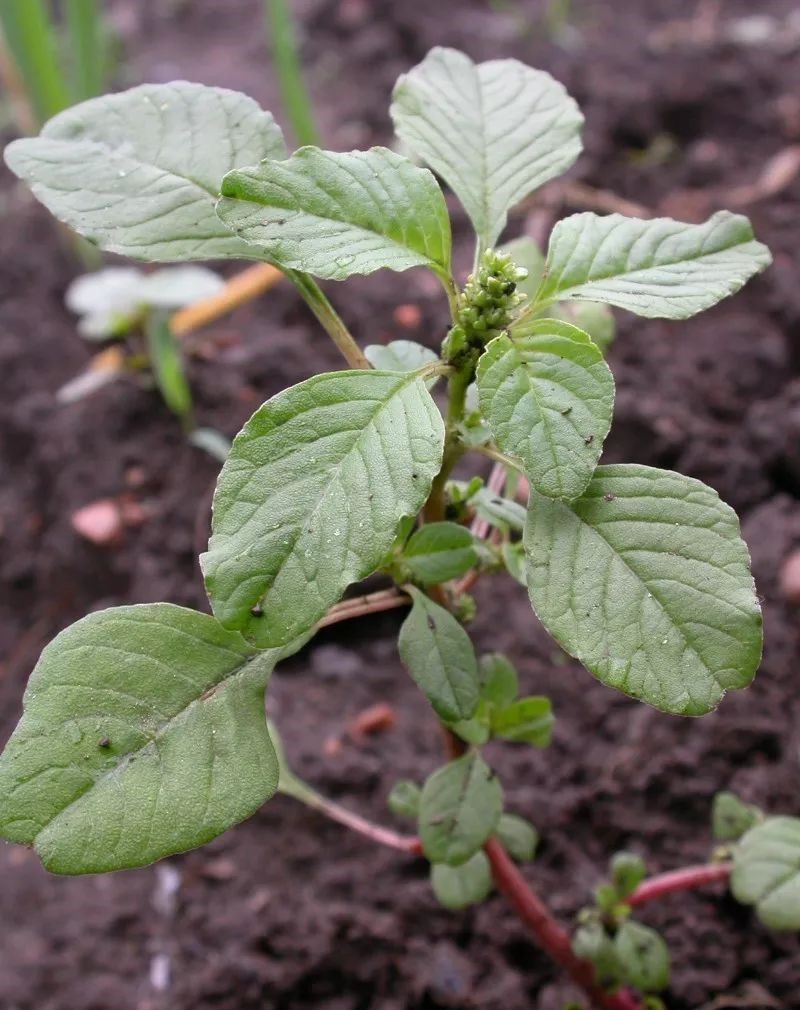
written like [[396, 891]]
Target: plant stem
[[550, 936], [375, 832], [285, 57], [453, 448], [31, 41], [372, 603], [87, 34], [686, 879], [327, 315]]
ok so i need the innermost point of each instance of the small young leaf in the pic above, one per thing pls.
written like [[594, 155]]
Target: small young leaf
[[438, 552], [139, 173], [519, 836], [109, 301], [529, 720], [404, 798], [334, 215], [643, 956], [627, 872], [312, 494], [399, 356], [167, 363], [143, 734], [548, 396], [731, 817], [513, 555], [457, 887], [658, 268], [645, 580], [460, 806], [494, 131], [439, 656], [766, 872], [494, 509], [592, 943], [475, 731], [499, 680]]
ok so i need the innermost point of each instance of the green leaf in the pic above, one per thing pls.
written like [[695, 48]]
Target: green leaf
[[493, 508], [525, 252], [658, 268], [643, 956], [167, 363], [766, 872], [312, 494], [513, 555], [519, 836], [731, 817], [499, 680], [460, 806], [438, 552], [108, 300], [592, 943], [143, 734], [548, 396], [439, 656], [476, 730], [494, 131], [645, 580], [399, 356], [458, 887], [334, 215], [627, 872], [404, 798], [139, 173], [529, 720]]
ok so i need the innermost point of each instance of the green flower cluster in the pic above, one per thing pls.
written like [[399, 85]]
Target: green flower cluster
[[485, 306]]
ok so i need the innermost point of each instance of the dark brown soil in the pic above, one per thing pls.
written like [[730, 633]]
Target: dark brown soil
[[288, 910]]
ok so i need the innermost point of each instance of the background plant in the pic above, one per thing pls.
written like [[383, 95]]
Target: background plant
[[153, 716]]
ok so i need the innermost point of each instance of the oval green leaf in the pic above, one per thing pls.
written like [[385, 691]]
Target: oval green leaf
[[334, 215], [658, 268], [458, 887], [143, 734], [548, 396], [438, 552], [518, 836], [460, 806], [766, 872], [438, 654], [311, 496], [139, 173], [645, 579], [529, 720], [643, 957], [493, 131]]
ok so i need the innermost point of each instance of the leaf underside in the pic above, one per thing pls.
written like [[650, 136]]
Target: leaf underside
[[139, 173], [493, 131], [143, 734], [646, 581], [334, 215], [311, 496]]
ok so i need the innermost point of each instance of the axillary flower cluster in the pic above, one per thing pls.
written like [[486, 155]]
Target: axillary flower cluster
[[486, 307]]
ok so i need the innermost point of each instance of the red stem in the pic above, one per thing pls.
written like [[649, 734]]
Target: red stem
[[686, 879], [550, 936]]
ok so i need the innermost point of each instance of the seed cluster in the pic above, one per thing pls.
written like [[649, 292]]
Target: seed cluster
[[485, 306]]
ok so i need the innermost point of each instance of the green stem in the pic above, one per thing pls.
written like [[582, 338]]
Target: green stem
[[31, 41], [454, 449], [283, 43], [327, 315], [87, 34]]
